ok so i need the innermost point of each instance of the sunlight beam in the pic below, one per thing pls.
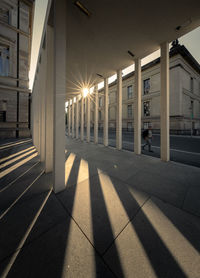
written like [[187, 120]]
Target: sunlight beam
[[68, 166], [21, 244], [14, 167], [115, 210], [17, 158], [81, 209], [15, 154]]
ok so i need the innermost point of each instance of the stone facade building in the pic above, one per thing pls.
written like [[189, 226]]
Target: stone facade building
[[184, 95], [16, 17]]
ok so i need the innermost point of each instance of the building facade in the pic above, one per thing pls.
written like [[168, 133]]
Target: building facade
[[16, 17], [184, 95]]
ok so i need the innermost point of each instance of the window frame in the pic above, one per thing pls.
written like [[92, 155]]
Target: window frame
[[149, 106], [146, 90], [130, 92], [4, 60], [129, 115]]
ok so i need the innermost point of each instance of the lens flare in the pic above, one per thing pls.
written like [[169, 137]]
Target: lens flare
[[85, 92]]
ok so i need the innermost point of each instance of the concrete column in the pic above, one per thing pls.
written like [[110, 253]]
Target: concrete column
[[73, 118], [164, 105], [82, 118], [42, 93], [39, 115], [96, 111], [59, 94], [35, 113], [88, 117], [69, 118], [137, 107], [119, 111], [105, 126], [77, 117], [49, 100]]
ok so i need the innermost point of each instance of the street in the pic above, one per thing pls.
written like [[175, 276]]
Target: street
[[183, 149]]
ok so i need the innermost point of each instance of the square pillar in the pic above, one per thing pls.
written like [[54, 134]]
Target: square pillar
[[164, 104], [73, 118], [105, 125], [82, 118], [137, 107], [119, 111], [49, 100], [96, 111], [88, 117], [77, 117], [35, 113], [69, 118], [59, 95], [42, 94]]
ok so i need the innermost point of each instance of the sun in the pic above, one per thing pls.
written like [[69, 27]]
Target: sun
[[85, 92]]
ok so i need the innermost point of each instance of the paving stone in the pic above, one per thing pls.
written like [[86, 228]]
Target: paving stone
[[63, 251], [10, 193], [155, 244], [192, 200], [14, 225], [169, 190], [18, 172], [102, 207]]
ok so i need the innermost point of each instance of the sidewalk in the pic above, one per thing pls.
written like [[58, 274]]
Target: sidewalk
[[121, 215]]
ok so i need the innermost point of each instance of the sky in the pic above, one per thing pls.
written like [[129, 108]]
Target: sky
[[190, 40]]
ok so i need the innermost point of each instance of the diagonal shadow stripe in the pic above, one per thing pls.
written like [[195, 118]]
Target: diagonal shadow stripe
[[100, 217], [160, 257]]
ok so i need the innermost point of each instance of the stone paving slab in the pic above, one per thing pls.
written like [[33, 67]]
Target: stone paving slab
[[117, 229], [192, 200], [18, 171], [14, 225], [102, 207], [63, 251], [166, 189], [9, 194], [161, 241]]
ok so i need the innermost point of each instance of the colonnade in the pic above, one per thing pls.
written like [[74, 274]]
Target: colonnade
[[137, 109], [49, 97]]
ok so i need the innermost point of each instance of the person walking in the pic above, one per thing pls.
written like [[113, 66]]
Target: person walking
[[147, 135]]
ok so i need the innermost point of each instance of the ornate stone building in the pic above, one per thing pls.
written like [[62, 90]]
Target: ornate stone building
[[184, 95], [16, 17]]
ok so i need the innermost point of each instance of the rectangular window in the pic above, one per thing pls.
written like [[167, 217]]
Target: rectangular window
[[192, 109], [129, 126], [44, 42], [191, 84], [146, 107], [130, 92], [100, 102], [3, 109], [2, 116], [146, 125], [129, 111], [99, 115], [4, 60], [146, 84], [112, 97], [5, 15]]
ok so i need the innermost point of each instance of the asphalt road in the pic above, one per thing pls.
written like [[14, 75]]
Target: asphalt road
[[183, 149]]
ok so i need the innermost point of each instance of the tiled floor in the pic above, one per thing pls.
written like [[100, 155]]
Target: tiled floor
[[121, 215]]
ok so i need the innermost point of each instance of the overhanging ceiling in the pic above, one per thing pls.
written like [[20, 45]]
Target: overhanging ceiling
[[98, 44]]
